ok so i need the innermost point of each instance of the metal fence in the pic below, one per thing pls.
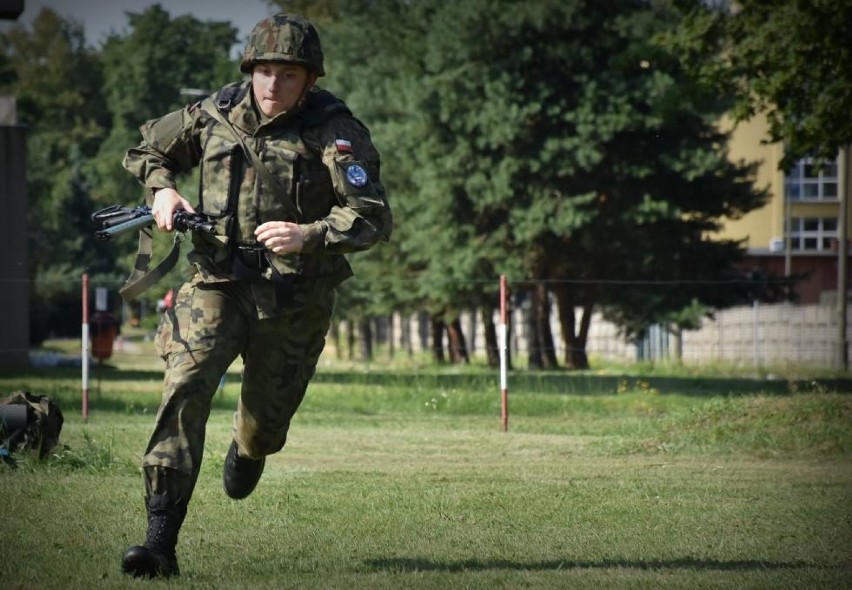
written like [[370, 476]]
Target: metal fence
[[757, 335]]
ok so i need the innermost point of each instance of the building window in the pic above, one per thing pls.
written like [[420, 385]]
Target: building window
[[813, 234], [805, 182]]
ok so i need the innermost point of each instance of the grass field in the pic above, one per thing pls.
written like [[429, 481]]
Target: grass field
[[402, 478]]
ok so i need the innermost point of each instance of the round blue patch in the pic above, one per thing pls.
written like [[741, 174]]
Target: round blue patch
[[356, 175]]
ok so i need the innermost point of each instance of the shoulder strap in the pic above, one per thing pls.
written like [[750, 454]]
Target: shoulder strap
[[141, 278], [230, 95], [322, 105]]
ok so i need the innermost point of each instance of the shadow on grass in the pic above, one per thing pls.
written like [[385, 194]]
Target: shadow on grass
[[62, 384], [404, 564], [581, 384], [519, 382], [123, 405]]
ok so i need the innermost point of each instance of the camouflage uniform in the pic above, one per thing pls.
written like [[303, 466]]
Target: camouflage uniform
[[319, 154]]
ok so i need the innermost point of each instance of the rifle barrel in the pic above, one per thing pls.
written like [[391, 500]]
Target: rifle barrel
[[124, 227]]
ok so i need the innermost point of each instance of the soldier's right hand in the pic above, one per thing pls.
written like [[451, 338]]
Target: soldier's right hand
[[166, 202]]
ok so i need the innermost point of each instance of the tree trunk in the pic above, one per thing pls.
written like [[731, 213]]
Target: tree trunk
[[350, 340], [458, 346], [575, 343], [405, 337], [335, 338], [580, 357], [677, 341], [472, 331], [437, 327], [492, 350], [391, 343], [365, 339], [541, 305], [535, 359], [424, 330]]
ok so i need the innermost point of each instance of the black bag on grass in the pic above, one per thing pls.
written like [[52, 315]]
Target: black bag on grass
[[29, 422]]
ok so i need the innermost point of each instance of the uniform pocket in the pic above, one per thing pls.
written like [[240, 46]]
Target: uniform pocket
[[194, 323], [220, 172], [352, 181], [281, 161]]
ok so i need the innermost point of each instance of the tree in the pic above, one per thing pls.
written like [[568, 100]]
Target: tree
[[57, 82], [320, 12], [794, 63], [82, 108], [556, 141], [560, 142], [145, 75], [785, 59], [384, 78]]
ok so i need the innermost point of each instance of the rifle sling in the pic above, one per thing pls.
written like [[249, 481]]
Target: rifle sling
[[141, 278]]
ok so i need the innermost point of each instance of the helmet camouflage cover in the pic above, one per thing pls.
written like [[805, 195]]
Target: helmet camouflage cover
[[284, 38]]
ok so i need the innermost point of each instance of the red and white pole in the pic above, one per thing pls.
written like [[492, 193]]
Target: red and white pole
[[504, 347], [85, 347]]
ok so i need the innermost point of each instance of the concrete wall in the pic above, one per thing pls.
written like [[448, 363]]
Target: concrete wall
[[750, 336]]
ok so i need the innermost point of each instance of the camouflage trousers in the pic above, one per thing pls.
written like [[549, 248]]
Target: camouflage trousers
[[209, 326]]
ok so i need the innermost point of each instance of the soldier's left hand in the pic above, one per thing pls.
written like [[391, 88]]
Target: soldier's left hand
[[280, 237]]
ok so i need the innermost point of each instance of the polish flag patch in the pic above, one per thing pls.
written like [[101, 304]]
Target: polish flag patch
[[343, 145]]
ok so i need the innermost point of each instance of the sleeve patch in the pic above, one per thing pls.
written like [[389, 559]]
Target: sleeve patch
[[344, 146], [356, 175]]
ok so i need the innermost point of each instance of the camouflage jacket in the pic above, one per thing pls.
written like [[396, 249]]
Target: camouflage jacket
[[321, 155]]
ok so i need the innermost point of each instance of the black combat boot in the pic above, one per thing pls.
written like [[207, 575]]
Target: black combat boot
[[156, 557], [241, 475]]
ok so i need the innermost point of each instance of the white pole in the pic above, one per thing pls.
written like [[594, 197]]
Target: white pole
[[504, 344], [84, 357]]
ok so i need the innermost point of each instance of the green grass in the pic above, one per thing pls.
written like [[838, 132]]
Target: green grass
[[402, 478]]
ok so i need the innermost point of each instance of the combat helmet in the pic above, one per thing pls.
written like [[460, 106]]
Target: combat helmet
[[285, 38]]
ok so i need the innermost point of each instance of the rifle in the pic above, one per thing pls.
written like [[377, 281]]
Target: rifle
[[116, 220]]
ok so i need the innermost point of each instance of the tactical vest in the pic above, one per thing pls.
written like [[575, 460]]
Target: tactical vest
[[272, 174], [240, 195]]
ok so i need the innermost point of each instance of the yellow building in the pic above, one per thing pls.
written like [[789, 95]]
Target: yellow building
[[806, 200]]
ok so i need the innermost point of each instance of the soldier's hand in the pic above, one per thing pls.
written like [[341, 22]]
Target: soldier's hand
[[166, 202], [280, 237]]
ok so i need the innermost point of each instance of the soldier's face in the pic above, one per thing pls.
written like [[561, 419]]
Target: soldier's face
[[278, 87]]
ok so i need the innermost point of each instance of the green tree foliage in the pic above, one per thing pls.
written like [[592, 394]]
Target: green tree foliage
[[57, 83], [553, 141], [785, 59], [794, 62], [320, 12], [378, 60], [82, 108], [561, 142], [158, 67], [145, 73]]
